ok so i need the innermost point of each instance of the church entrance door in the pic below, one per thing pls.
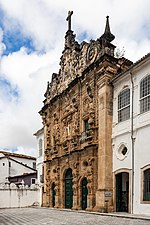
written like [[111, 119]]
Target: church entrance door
[[53, 194], [68, 189], [84, 193]]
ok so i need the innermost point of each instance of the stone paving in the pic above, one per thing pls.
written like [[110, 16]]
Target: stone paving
[[47, 216]]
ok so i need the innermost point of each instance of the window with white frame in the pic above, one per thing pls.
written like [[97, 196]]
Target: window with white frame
[[146, 189], [124, 105], [40, 147], [145, 94]]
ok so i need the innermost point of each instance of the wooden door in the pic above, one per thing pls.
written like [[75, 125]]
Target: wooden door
[[84, 193], [68, 189]]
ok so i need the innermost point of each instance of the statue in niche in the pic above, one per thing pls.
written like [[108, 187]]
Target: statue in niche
[[56, 132], [89, 104], [89, 90], [74, 64], [91, 107], [65, 130], [85, 106], [75, 125]]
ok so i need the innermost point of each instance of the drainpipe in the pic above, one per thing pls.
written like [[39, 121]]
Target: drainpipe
[[132, 141]]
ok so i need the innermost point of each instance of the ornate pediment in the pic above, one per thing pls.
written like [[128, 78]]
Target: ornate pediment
[[77, 57]]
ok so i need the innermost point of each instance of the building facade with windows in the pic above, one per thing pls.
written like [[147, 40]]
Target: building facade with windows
[[40, 160], [131, 138], [14, 167], [77, 119]]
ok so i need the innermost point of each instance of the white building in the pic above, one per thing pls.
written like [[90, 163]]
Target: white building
[[14, 165], [40, 158], [131, 138]]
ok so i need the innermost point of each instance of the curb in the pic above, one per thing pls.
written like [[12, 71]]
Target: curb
[[128, 216]]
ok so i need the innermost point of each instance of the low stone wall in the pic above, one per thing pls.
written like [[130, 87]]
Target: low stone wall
[[19, 196]]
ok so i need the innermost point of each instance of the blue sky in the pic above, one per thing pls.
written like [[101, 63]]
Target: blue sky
[[31, 43], [13, 38], [8, 89]]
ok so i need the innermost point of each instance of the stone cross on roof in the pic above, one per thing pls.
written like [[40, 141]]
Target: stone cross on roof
[[69, 19]]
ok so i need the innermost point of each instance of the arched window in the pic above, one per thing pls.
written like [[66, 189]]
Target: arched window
[[146, 194], [40, 147], [145, 94], [124, 105]]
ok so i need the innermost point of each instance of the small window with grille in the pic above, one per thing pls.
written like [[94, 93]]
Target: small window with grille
[[124, 105], [145, 95]]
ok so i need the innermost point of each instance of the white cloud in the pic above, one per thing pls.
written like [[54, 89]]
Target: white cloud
[[2, 45], [20, 119], [35, 20], [44, 21]]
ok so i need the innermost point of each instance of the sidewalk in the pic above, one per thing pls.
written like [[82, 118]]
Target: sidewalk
[[115, 214]]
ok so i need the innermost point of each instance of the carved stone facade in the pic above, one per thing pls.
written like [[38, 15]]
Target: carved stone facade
[[77, 118]]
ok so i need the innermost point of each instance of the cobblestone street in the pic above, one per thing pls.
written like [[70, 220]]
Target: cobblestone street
[[46, 216]]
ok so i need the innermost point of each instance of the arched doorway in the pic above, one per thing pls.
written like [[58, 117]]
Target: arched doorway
[[53, 194], [68, 189], [122, 192], [84, 193]]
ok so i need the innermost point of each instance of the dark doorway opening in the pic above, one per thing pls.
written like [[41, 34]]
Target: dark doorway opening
[[68, 189], [53, 194], [122, 192], [84, 193]]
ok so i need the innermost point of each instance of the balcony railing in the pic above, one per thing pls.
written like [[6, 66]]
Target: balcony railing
[[85, 136]]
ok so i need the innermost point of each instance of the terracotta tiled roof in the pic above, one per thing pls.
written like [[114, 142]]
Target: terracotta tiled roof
[[23, 175], [17, 155], [131, 67]]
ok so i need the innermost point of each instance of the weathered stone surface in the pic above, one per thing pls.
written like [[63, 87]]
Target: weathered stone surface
[[77, 118]]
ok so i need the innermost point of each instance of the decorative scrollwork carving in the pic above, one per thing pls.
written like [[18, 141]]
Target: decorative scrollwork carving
[[91, 53]]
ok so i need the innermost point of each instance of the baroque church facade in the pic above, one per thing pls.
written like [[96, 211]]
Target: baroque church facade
[[77, 119]]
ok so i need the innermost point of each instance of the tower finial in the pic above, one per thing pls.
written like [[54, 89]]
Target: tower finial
[[69, 19], [107, 33], [107, 28]]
